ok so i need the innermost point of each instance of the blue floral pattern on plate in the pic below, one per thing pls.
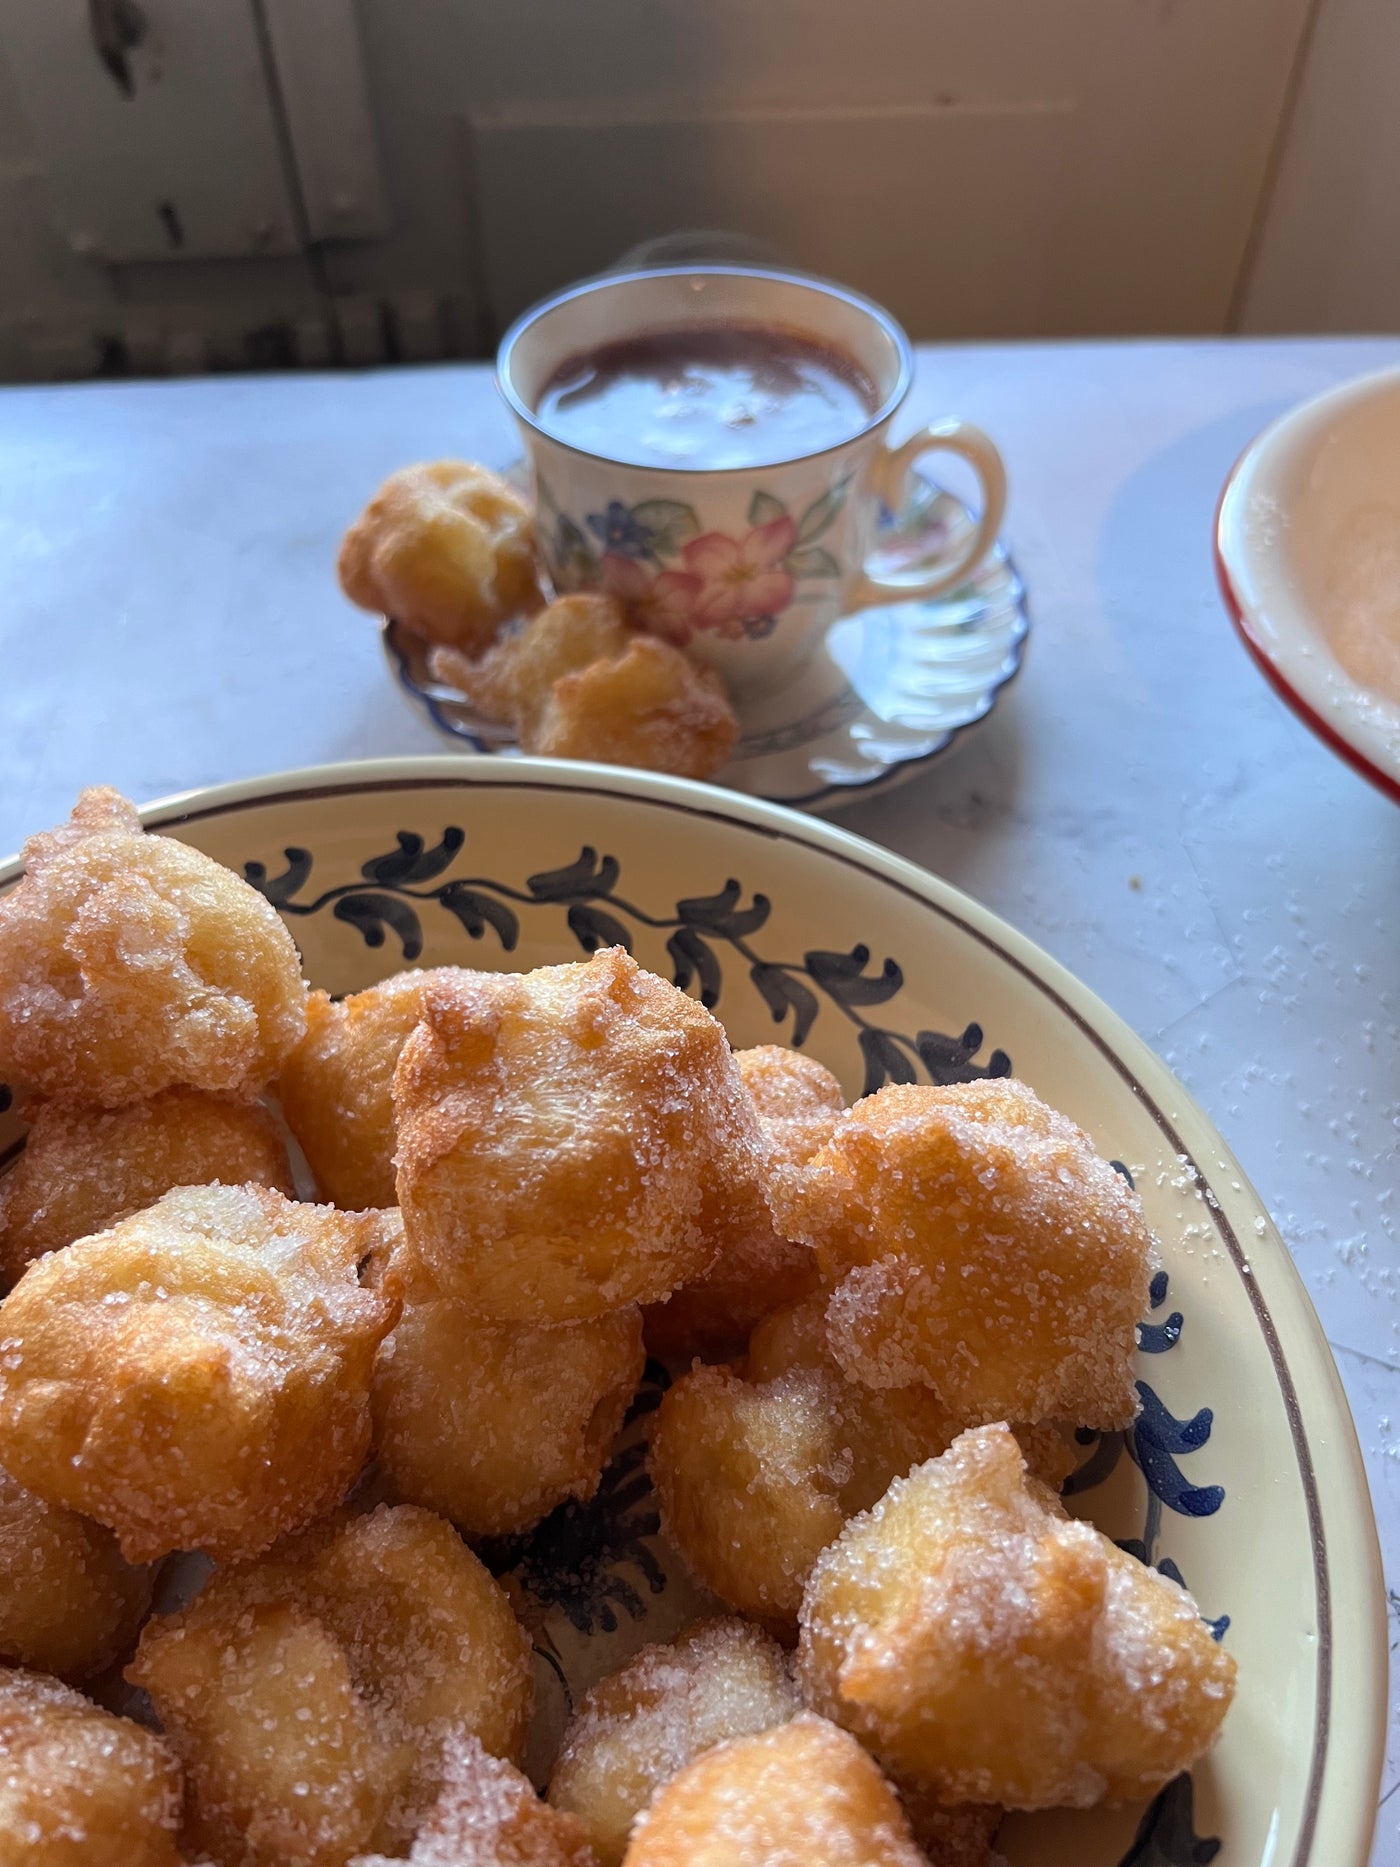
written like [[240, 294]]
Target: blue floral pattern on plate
[[594, 1565], [588, 1569], [699, 929]]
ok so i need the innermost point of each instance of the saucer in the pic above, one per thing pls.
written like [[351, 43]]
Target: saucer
[[885, 692]]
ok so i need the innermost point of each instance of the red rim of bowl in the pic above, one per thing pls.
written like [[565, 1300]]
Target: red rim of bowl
[[1271, 671]]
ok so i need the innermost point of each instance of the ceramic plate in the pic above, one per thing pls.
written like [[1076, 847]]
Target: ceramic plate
[[1307, 548], [889, 690], [1242, 1474]]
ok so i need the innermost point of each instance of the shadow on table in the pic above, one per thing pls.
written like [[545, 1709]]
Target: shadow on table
[[972, 787], [390, 727], [1155, 547]]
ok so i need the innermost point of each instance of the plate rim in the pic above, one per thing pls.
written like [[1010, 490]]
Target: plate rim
[[1339, 1813], [1290, 688]]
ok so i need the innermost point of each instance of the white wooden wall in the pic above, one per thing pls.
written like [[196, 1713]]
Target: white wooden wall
[[987, 167], [1328, 257]]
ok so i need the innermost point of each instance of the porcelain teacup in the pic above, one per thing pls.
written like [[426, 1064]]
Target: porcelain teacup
[[745, 567]]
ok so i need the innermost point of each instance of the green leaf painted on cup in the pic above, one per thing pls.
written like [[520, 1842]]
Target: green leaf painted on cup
[[574, 559], [821, 513], [764, 508], [669, 521], [811, 561]]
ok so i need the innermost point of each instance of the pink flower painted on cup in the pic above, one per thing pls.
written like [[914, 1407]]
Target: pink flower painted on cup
[[740, 578], [673, 580], [663, 604]]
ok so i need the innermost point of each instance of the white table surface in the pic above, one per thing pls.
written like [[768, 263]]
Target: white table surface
[[1139, 802]]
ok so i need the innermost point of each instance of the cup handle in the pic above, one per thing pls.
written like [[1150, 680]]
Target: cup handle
[[892, 469]]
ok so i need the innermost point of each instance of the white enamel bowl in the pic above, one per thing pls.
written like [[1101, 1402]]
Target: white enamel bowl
[[1307, 548], [1243, 1472]]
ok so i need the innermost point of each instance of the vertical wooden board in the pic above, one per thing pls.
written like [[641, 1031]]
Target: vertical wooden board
[[321, 79], [1328, 257], [418, 79], [187, 165]]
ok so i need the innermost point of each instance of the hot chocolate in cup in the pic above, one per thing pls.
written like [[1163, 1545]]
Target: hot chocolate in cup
[[710, 445]]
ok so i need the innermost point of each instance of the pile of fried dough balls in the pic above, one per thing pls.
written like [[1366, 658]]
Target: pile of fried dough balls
[[448, 550], [890, 1318]]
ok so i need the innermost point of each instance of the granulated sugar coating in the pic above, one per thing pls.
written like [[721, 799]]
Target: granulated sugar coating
[[975, 1243], [637, 1728], [131, 964], [650, 706], [487, 1815], [495, 1424], [791, 1337], [756, 1473], [755, 1480], [788, 1086], [198, 1377], [447, 548], [343, 1662], [286, 1764], [83, 1169], [798, 1102], [757, 1267], [79, 1787], [69, 1603], [989, 1649], [336, 1088], [558, 1132], [511, 683], [888, 1424], [796, 1796], [577, 682], [747, 1479]]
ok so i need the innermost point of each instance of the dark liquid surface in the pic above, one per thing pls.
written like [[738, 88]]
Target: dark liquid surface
[[719, 395]]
